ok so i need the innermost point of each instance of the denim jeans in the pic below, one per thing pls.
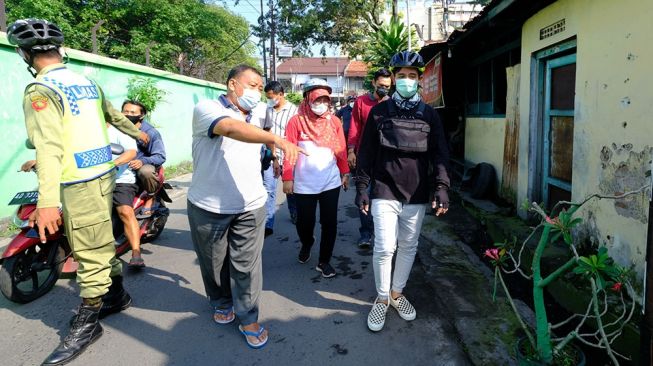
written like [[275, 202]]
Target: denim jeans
[[292, 204], [270, 184], [367, 223], [396, 228]]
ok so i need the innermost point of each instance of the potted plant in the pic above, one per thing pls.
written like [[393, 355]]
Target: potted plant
[[610, 291], [144, 90]]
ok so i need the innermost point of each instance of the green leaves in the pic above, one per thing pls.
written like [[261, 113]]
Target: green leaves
[[144, 90], [294, 98], [563, 224], [600, 266], [345, 23], [190, 37]]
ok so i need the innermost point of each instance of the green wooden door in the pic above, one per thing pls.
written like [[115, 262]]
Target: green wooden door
[[558, 129]]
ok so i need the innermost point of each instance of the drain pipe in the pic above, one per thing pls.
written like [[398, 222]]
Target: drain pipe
[[646, 327]]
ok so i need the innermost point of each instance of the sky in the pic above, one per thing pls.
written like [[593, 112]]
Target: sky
[[251, 10]]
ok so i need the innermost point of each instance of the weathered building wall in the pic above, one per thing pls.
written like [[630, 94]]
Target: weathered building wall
[[484, 142], [172, 117], [613, 130]]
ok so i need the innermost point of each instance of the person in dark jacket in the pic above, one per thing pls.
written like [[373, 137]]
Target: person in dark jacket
[[403, 156], [344, 114], [149, 159]]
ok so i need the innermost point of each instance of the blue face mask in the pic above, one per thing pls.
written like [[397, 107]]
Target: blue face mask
[[406, 87], [249, 99]]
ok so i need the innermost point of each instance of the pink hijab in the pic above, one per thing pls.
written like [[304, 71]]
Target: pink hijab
[[320, 129]]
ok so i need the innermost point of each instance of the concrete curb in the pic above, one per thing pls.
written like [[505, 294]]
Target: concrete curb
[[179, 185], [486, 328]]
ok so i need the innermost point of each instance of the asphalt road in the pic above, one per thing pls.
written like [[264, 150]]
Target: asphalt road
[[312, 320]]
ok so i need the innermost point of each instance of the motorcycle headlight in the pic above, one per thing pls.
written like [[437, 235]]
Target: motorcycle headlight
[[20, 223]]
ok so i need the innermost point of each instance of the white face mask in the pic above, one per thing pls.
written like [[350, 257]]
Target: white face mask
[[273, 102], [249, 99], [351, 105], [319, 108]]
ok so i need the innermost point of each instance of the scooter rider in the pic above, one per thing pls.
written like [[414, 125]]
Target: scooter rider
[[65, 117]]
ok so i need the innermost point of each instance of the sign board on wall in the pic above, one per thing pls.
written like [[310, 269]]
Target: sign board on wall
[[284, 51], [432, 84]]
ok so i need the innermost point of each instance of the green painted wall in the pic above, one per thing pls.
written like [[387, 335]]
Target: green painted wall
[[172, 117]]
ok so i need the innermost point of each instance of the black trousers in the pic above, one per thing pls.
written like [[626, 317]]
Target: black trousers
[[306, 212]]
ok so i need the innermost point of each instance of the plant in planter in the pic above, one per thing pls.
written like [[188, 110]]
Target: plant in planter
[[610, 289], [144, 90]]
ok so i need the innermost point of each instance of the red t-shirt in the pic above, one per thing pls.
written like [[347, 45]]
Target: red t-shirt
[[362, 107]]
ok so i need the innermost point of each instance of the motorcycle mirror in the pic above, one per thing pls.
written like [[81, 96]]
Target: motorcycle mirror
[[117, 149]]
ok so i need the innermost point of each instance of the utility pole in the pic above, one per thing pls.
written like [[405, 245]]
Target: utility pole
[[408, 22], [265, 61], [3, 17], [273, 46], [94, 35]]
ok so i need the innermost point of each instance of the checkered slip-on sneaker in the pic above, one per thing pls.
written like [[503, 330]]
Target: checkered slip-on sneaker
[[404, 308], [376, 317]]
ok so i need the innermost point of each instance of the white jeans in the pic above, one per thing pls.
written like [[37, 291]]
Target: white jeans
[[396, 226]]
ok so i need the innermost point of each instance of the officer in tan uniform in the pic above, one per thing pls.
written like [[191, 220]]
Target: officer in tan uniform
[[65, 117]]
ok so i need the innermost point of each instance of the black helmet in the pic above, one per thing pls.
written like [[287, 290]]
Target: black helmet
[[407, 59], [35, 35]]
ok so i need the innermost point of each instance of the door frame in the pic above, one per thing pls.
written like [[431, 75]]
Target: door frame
[[551, 64], [538, 74]]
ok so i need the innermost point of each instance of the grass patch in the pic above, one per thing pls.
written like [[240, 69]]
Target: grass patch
[[185, 167], [8, 229]]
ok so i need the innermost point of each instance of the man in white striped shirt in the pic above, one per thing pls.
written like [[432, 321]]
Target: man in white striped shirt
[[278, 113]]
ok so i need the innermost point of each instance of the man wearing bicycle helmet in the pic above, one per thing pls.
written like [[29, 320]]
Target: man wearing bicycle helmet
[[65, 117], [403, 156]]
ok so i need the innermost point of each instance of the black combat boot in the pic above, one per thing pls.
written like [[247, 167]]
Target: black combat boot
[[84, 330], [116, 300]]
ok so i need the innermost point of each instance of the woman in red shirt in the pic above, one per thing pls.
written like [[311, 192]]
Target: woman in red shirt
[[316, 178]]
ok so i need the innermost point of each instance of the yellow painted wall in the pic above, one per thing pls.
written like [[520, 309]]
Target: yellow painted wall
[[484, 139], [613, 131]]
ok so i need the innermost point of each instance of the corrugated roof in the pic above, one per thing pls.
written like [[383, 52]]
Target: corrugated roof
[[356, 69], [314, 65]]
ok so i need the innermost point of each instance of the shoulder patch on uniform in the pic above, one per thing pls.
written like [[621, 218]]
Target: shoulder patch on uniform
[[39, 102]]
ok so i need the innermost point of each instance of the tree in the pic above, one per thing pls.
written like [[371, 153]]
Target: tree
[[388, 40], [191, 37], [343, 23]]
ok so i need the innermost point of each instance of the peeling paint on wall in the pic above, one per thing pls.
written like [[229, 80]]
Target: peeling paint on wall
[[624, 170]]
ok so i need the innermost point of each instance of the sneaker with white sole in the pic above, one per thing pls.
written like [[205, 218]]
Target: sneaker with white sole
[[404, 308], [326, 270], [376, 317]]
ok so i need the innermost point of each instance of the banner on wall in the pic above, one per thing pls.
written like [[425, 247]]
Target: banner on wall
[[432, 82]]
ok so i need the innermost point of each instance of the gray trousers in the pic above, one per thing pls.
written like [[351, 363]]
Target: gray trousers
[[229, 250], [148, 178]]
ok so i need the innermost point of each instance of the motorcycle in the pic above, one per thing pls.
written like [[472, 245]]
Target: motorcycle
[[29, 268]]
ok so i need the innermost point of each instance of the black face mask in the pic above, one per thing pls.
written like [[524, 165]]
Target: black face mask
[[381, 91], [134, 119]]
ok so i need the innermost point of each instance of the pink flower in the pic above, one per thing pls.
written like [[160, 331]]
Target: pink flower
[[616, 287], [492, 253], [553, 221]]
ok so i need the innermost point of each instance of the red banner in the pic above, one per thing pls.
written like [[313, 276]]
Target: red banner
[[432, 83]]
